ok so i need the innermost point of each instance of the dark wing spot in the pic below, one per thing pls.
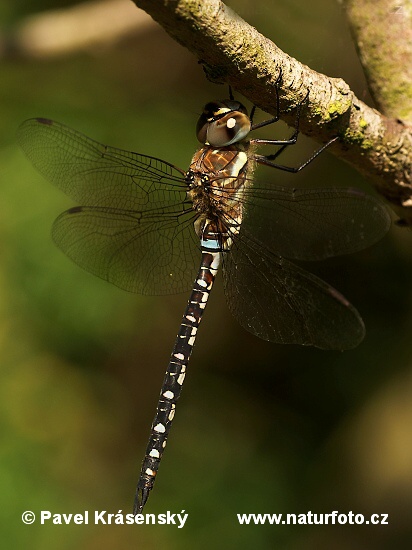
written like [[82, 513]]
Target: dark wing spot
[[45, 121]]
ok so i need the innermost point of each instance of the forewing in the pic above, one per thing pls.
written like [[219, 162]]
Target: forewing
[[282, 303], [313, 224], [99, 175], [148, 254]]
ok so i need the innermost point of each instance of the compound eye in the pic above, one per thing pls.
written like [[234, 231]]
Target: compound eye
[[210, 112], [201, 130], [230, 128]]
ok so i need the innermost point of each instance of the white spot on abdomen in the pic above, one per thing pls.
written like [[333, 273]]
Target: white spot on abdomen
[[160, 428]]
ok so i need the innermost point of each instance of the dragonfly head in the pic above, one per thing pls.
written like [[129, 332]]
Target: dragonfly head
[[223, 123]]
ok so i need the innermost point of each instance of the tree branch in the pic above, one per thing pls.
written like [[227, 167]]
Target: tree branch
[[232, 51], [382, 30]]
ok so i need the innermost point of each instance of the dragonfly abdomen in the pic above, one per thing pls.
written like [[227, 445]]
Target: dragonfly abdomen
[[176, 372]]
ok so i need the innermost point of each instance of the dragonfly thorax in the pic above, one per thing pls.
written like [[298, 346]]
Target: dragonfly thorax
[[216, 180]]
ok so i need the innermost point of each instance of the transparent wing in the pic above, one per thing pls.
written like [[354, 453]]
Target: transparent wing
[[312, 224], [136, 229], [282, 303], [99, 175], [154, 253]]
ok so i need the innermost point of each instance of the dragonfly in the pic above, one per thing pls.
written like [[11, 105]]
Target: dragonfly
[[150, 227]]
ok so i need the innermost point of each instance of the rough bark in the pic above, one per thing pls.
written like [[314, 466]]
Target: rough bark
[[382, 31]]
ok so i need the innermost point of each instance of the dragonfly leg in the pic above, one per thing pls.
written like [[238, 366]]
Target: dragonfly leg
[[284, 142], [277, 116], [268, 160]]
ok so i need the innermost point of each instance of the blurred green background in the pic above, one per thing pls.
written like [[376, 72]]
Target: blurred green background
[[260, 427]]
